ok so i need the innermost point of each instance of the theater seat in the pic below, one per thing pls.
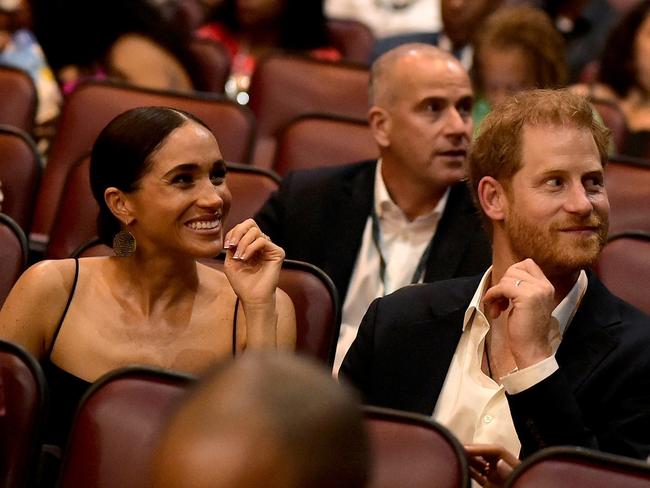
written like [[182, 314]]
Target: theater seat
[[624, 267], [18, 98], [116, 426], [13, 254], [23, 406], [323, 140], [413, 451], [20, 171], [628, 187], [579, 468], [285, 86]]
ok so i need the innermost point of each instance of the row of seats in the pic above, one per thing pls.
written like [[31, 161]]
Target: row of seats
[[313, 140], [244, 135], [278, 134], [119, 419]]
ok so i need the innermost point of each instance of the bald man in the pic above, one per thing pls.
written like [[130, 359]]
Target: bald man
[[379, 225], [265, 419]]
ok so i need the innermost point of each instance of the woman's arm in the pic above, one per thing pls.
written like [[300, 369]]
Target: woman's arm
[[253, 266], [35, 305]]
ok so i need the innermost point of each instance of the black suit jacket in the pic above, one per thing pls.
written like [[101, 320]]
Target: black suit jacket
[[599, 397], [319, 215]]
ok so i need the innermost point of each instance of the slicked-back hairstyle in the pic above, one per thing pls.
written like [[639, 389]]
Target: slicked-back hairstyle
[[530, 30], [290, 403], [497, 150], [122, 155], [618, 67]]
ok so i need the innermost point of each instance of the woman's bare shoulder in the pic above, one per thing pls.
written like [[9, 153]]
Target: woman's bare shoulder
[[36, 303], [51, 276]]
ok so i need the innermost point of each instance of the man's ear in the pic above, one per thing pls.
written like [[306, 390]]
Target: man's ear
[[118, 204], [380, 125], [493, 198]]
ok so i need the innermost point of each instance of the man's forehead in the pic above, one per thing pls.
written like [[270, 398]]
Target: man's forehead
[[549, 147]]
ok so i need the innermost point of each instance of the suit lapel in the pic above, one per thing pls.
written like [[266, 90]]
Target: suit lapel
[[450, 241], [586, 341], [347, 218], [425, 350]]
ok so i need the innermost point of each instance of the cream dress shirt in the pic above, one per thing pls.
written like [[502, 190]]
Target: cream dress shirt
[[402, 244], [471, 404]]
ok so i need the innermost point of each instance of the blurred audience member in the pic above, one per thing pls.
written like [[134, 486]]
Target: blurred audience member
[[378, 225], [389, 17], [625, 72], [160, 181], [584, 24], [127, 40], [517, 48], [461, 21], [251, 29], [20, 49], [265, 419]]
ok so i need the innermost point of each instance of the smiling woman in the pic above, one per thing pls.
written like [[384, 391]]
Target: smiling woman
[[160, 181]]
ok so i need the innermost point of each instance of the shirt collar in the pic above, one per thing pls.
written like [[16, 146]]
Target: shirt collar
[[384, 203], [563, 313]]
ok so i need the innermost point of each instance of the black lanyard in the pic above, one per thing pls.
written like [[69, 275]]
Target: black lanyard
[[376, 239]]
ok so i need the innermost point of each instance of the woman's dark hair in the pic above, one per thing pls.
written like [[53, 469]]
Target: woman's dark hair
[[122, 154], [618, 67], [82, 32], [302, 24]]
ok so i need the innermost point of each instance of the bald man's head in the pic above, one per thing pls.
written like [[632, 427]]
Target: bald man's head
[[388, 70], [265, 419]]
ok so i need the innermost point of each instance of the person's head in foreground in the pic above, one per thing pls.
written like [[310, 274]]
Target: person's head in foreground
[[421, 102], [264, 419], [536, 170]]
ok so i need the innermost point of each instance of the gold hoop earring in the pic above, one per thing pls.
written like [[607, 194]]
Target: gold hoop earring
[[124, 244]]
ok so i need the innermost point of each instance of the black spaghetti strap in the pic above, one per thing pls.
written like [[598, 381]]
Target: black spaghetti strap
[[67, 305], [234, 328]]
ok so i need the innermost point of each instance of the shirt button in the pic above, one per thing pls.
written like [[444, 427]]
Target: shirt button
[[487, 419]]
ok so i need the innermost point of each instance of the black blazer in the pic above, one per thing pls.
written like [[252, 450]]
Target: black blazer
[[599, 397], [318, 216]]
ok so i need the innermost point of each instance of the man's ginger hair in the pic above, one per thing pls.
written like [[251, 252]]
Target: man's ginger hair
[[497, 150]]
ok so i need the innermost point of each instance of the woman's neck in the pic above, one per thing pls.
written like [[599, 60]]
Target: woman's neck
[[157, 282]]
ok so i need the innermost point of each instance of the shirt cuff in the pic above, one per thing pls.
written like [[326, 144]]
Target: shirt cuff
[[525, 378]]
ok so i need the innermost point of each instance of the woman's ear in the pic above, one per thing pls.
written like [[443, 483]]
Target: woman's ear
[[380, 123], [493, 198], [118, 204]]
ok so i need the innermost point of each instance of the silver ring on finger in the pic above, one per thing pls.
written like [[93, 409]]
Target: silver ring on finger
[[518, 282]]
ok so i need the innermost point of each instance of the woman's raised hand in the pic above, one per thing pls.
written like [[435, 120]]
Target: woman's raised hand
[[252, 264]]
